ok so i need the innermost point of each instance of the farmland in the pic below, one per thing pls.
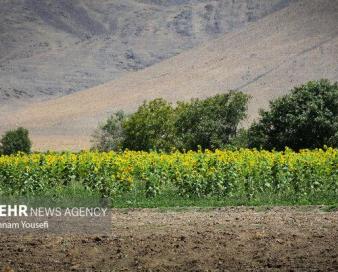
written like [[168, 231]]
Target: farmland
[[146, 179], [224, 239], [179, 135]]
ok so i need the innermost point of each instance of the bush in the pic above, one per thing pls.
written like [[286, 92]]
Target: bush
[[15, 141], [240, 140], [210, 123], [110, 136], [305, 118]]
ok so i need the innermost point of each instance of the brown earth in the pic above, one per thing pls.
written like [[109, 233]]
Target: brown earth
[[226, 239]]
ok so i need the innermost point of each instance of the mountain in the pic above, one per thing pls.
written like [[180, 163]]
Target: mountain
[[265, 59], [50, 48]]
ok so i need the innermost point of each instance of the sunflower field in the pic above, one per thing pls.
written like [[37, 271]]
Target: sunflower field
[[235, 174]]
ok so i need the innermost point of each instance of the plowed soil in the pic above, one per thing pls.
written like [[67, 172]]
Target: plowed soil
[[227, 239]]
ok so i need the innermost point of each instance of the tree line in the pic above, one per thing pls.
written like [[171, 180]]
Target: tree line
[[307, 117]]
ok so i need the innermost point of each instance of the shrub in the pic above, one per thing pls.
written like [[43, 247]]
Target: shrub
[[15, 141], [240, 140], [110, 136], [305, 118]]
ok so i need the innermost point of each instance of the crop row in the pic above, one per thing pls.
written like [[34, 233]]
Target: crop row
[[244, 173]]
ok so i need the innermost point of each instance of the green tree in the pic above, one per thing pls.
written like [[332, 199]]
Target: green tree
[[110, 135], [210, 123], [150, 127], [15, 141], [305, 118], [156, 125]]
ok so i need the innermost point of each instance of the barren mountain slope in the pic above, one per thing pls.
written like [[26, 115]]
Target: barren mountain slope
[[50, 48], [265, 59]]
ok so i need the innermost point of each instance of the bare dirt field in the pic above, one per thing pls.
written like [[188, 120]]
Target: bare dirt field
[[226, 239]]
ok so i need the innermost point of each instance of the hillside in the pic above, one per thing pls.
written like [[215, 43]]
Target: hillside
[[265, 59], [50, 48]]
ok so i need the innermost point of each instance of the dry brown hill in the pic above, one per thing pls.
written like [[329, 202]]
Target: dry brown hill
[[267, 58], [50, 48]]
